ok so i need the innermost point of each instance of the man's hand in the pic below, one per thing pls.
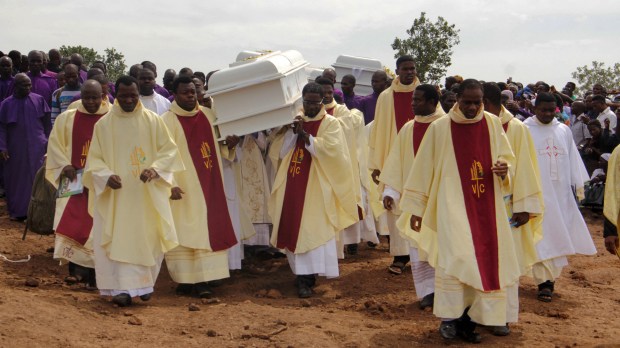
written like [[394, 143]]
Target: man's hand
[[519, 219], [148, 175], [607, 123], [512, 106], [416, 223], [375, 176], [4, 155], [500, 169], [612, 244], [232, 141], [176, 193], [114, 181], [388, 203], [69, 172], [298, 128]]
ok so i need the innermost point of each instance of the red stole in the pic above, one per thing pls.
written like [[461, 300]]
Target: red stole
[[403, 112], [75, 222], [474, 162], [297, 177], [201, 146], [419, 129], [505, 126]]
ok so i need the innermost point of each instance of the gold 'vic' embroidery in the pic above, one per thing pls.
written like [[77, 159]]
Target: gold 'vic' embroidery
[[205, 150], [477, 174], [138, 158], [85, 149], [296, 160]]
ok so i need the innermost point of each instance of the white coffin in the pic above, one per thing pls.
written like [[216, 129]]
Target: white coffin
[[249, 56], [360, 67], [260, 94], [313, 73]]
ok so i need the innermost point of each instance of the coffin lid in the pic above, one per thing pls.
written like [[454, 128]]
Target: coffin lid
[[266, 68], [353, 62]]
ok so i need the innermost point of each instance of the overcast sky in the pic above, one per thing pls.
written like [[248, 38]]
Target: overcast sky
[[528, 40]]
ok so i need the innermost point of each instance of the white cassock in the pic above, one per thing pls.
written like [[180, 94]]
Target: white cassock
[[561, 170], [156, 103]]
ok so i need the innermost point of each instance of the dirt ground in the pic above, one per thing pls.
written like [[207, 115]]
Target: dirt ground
[[258, 307]]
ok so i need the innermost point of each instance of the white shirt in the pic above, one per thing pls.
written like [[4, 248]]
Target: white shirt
[[608, 114], [155, 102]]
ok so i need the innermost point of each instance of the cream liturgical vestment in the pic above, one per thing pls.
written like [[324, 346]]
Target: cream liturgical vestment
[[396, 170], [313, 197], [612, 188], [201, 217], [465, 232], [133, 225], [528, 197], [68, 145]]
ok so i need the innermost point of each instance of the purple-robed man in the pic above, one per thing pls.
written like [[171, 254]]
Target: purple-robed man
[[43, 85], [368, 104], [25, 125], [349, 98], [6, 78]]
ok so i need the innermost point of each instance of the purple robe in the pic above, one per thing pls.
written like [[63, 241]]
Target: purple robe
[[51, 74], [367, 105], [352, 101], [25, 125], [83, 76], [43, 85], [6, 88], [162, 91], [111, 90]]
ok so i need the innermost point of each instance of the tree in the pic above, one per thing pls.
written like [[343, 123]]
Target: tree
[[431, 46], [89, 54], [587, 76], [114, 60]]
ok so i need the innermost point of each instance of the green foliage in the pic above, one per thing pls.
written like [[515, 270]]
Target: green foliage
[[431, 45], [587, 76], [114, 60], [89, 54]]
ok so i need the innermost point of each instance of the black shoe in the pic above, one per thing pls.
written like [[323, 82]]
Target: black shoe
[[146, 297], [470, 336], [304, 291], [203, 290], [352, 249], [427, 301], [465, 328], [501, 330], [447, 330], [184, 289], [122, 300]]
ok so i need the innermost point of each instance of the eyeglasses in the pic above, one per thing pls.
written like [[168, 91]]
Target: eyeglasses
[[310, 102]]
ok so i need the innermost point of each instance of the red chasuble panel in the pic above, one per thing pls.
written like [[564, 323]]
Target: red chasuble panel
[[473, 158], [403, 111], [75, 222], [505, 126], [201, 146], [419, 129], [297, 177], [330, 111]]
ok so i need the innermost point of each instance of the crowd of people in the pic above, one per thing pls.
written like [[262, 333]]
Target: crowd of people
[[475, 184]]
